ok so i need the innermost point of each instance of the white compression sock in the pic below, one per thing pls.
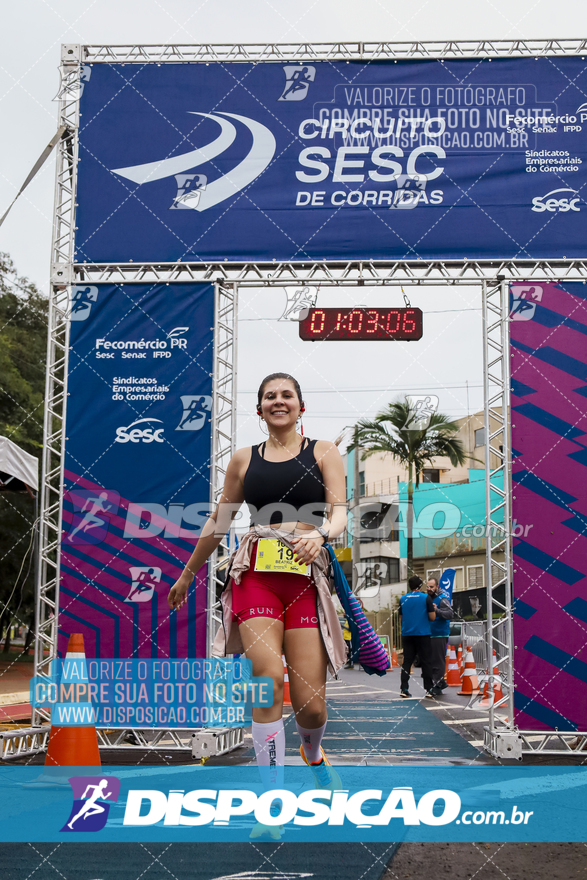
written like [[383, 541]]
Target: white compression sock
[[269, 742], [311, 740]]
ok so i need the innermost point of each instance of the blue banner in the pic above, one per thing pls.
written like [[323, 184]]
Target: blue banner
[[151, 693], [447, 582], [137, 467], [378, 803], [413, 160]]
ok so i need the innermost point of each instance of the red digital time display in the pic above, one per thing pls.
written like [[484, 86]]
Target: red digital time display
[[363, 323]]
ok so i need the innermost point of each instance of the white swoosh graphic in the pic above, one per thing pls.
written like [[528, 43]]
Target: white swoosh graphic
[[259, 157], [167, 167], [565, 189]]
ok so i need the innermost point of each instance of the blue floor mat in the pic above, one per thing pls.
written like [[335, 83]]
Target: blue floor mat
[[384, 731]]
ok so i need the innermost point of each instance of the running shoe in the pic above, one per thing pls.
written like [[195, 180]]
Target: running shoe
[[275, 832], [429, 695], [325, 776], [436, 691], [405, 694]]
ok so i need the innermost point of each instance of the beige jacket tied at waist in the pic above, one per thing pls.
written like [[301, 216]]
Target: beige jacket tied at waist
[[228, 640]]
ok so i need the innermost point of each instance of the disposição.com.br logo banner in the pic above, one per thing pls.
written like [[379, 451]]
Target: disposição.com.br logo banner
[[214, 803]]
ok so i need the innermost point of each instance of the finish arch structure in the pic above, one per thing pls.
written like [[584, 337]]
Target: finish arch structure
[[70, 267]]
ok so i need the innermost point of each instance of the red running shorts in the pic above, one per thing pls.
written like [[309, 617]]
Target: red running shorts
[[279, 595]]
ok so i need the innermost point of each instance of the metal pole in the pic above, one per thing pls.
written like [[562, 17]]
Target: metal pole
[[37, 561], [223, 432], [62, 276], [496, 387], [507, 487], [488, 548], [211, 602]]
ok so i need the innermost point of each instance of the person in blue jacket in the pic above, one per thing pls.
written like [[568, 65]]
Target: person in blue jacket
[[439, 633], [417, 610]]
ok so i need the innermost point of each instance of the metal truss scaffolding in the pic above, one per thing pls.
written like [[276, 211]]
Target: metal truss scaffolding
[[343, 273], [496, 403], [51, 492], [501, 737], [223, 436], [355, 51]]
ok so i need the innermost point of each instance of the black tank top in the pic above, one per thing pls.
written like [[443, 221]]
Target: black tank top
[[278, 490]]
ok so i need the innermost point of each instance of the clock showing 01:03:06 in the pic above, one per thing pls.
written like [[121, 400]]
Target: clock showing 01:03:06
[[362, 323]]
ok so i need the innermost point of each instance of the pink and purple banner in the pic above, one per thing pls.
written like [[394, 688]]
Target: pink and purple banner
[[549, 478]]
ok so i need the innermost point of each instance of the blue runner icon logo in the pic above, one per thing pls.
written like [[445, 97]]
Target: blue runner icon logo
[[92, 796]]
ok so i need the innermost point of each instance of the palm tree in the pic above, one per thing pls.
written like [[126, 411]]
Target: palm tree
[[413, 447]]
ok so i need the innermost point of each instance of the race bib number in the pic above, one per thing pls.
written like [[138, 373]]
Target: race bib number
[[272, 555]]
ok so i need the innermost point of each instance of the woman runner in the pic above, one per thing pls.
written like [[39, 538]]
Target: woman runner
[[278, 607]]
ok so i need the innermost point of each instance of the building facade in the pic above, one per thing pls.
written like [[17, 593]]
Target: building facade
[[449, 519]]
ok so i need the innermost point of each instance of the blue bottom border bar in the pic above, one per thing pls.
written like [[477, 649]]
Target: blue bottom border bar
[[215, 804]]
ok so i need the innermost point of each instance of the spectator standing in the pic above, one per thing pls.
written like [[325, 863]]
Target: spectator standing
[[417, 611], [439, 633]]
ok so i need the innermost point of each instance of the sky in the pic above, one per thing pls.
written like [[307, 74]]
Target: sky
[[344, 381], [340, 381]]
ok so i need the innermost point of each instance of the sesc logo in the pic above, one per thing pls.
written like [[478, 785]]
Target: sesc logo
[[560, 204], [132, 434]]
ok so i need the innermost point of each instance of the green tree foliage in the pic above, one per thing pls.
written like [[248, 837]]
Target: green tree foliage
[[413, 448], [23, 343]]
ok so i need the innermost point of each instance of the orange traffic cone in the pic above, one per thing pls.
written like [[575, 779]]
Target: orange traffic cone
[[460, 660], [73, 746], [286, 693], [488, 698], [453, 678], [394, 660], [446, 661], [470, 680], [497, 688]]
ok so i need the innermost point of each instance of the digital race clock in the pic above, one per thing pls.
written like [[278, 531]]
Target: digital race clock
[[362, 323]]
